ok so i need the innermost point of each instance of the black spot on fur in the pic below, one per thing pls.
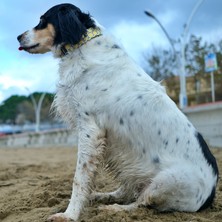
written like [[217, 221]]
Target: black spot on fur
[[138, 74], [87, 87], [118, 99], [177, 140], [121, 121], [139, 97], [165, 142], [212, 162], [98, 42], [131, 113], [159, 132], [144, 151], [207, 154], [156, 160], [208, 201], [115, 46], [87, 135], [85, 71], [87, 113]]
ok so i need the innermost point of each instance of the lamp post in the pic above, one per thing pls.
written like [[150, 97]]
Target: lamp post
[[180, 60], [37, 109], [150, 14], [183, 94]]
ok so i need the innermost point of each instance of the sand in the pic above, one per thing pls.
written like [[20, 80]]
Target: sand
[[35, 183]]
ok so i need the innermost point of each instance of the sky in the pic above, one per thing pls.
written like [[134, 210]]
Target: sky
[[22, 73]]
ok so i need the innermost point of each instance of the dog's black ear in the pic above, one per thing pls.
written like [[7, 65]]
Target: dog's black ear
[[70, 27], [86, 20]]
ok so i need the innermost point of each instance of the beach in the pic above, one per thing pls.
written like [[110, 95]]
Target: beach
[[35, 183]]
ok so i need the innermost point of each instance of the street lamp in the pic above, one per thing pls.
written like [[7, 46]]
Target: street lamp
[[37, 108], [149, 13], [183, 94]]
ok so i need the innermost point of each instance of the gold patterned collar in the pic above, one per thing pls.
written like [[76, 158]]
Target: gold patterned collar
[[91, 34]]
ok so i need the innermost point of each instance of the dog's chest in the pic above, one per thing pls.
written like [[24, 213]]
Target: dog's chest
[[66, 104]]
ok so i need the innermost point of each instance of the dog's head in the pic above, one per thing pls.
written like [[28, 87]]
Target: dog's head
[[62, 24]]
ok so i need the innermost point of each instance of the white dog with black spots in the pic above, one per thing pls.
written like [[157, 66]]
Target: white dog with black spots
[[125, 121]]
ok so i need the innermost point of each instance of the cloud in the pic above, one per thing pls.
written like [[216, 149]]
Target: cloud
[[212, 36], [137, 38], [40, 75], [125, 19]]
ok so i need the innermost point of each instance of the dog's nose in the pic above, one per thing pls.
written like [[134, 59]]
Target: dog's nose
[[19, 37]]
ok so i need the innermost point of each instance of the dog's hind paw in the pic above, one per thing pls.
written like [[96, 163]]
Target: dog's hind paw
[[59, 217]]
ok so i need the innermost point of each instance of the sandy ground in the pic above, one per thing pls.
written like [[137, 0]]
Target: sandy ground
[[35, 183]]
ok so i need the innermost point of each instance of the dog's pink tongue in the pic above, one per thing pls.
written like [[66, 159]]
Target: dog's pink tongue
[[20, 48]]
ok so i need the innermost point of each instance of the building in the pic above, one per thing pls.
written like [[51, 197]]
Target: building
[[198, 88]]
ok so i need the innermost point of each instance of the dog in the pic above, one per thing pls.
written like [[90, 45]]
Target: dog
[[125, 122]]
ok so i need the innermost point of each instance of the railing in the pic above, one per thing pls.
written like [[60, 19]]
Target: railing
[[53, 138], [207, 119]]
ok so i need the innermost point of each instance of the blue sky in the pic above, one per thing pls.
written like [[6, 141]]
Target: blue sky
[[123, 18]]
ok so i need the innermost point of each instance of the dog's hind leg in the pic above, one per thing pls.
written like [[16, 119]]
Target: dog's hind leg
[[176, 188]]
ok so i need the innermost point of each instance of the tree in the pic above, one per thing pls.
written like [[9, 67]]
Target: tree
[[8, 110], [162, 65], [20, 108], [46, 105]]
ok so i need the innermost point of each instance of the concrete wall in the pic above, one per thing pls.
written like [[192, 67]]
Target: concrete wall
[[207, 119], [54, 138]]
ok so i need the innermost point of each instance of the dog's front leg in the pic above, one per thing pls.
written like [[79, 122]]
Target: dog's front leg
[[90, 149]]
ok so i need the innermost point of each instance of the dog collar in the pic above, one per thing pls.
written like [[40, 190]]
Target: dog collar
[[91, 34]]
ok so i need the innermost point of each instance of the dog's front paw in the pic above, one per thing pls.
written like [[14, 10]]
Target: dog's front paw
[[59, 217]]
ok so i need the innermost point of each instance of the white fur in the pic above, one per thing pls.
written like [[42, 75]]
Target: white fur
[[29, 38], [125, 119]]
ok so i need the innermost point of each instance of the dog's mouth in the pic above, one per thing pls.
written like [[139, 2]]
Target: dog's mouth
[[27, 48]]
